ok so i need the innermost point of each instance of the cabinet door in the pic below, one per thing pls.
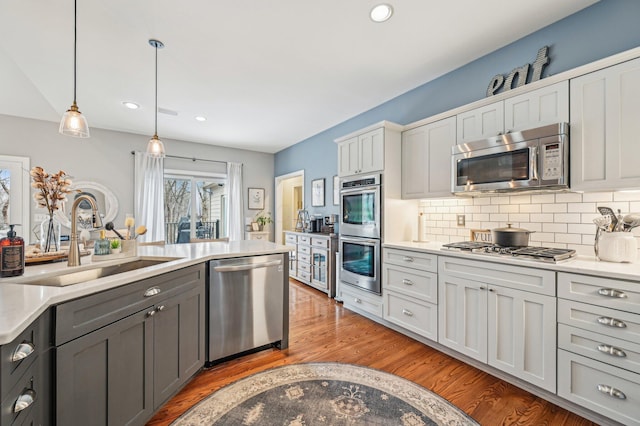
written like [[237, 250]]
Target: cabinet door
[[605, 106], [522, 335], [348, 162], [462, 316], [105, 375], [426, 160], [480, 123], [178, 343], [547, 105], [319, 268], [371, 147]]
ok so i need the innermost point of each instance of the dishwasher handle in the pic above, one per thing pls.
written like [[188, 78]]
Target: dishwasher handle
[[247, 266]]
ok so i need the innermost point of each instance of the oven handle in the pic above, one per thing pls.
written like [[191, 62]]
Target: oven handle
[[533, 162], [360, 189], [363, 241]]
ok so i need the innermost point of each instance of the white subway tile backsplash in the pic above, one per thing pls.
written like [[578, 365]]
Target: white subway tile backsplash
[[567, 217], [544, 237], [518, 217], [578, 228], [499, 217], [569, 238], [626, 196], [543, 217], [509, 208], [543, 198], [569, 197], [597, 197], [481, 201], [481, 217], [554, 208], [581, 207], [520, 199], [500, 200], [530, 208], [554, 227], [490, 209]]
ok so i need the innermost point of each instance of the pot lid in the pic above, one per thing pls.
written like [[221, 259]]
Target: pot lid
[[509, 228]]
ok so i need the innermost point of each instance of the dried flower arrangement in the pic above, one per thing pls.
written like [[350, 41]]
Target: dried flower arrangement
[[51, 189]]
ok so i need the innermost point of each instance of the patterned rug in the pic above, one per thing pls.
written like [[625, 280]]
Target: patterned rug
[[324, 394]]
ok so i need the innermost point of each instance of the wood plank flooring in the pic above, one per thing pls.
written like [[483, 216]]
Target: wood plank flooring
[[322, 330]]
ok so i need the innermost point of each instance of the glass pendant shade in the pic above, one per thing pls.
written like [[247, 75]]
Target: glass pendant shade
[[155, 147], [74, 124]]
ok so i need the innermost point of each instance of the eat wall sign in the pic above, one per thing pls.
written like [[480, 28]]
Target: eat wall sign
[[520, 75]]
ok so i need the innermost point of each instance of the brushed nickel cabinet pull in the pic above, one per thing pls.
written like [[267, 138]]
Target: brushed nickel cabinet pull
[[151, 313], [611, 350], [357, 300], [22, 351], [407, 312], [612, 322], [160, 308], [612, 292], [611, 391], [407, 259], [26, 398], [407, 281], [152, 291], [482, 287]]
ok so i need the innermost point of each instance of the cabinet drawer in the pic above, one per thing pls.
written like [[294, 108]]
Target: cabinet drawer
[[421, 318], [304, 249], [618, 324], [410, 259], [320, 242], [290, 239], [579, 381], [304, 258], [303, 275], [600, 347], [422, 285], [306, 267], [304, 239], [617, 294], [358, 300], [81, 316], [517, 277], [29, 384], [18, 355]]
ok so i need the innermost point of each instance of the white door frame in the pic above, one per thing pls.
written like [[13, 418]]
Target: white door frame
[[278, 201]]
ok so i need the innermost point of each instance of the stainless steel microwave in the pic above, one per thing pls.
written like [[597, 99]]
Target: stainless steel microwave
[[527, 160]]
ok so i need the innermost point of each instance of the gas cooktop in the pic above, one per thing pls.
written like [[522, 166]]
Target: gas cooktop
[[539, 254]]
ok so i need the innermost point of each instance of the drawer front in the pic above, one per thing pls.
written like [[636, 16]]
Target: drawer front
[[293, 268], [306, 267], [618, 324], [517, 277], [290, 239], [422, 285], [29, 385], [357, 300], [579, 381], [303, 275], [617, 294], [421, 318], [259, 236], [600, 347], [320, 242], [304, 239], [410, 259], [304, 249], [304, 258], [81, 316]]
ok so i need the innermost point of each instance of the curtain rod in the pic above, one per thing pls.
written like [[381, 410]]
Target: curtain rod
[[190, 158]]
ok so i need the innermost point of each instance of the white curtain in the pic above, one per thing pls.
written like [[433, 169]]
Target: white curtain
[[236, 205], [149, 195]]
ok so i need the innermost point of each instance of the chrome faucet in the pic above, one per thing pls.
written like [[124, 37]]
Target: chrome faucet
[[74, 249]]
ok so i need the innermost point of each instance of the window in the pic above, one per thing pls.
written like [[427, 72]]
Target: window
[[14, 194], [195, 206]]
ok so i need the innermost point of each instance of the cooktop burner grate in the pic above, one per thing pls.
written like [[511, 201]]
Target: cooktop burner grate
[[540, 254]]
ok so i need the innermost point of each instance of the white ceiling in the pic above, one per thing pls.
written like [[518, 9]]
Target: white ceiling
[[266, 74]]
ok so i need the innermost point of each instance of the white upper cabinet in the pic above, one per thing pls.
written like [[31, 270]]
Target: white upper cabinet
[[361, 154], [426, 159], [539, 107], [605, 124]]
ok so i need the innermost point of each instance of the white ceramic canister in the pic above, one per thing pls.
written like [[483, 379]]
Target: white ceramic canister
[[617, 247]]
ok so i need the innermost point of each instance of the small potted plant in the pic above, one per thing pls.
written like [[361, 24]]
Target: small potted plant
[[263, 219], [116, 247]]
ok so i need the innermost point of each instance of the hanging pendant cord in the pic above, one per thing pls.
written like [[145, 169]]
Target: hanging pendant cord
[[156, 111], [75, 43]]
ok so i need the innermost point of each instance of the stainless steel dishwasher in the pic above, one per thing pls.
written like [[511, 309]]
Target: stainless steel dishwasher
[[246, 304]]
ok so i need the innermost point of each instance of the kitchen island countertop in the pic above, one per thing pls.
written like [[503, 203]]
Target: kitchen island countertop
[[21, 304], [586, 265]]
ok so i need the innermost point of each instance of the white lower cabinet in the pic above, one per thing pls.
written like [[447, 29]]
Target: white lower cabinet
[[360, 301], [504, 326]]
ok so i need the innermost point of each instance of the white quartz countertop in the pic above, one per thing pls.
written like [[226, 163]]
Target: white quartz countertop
[[21, 304], [586, 265]]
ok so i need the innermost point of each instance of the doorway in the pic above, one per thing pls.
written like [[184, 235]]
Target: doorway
[[289, 199]]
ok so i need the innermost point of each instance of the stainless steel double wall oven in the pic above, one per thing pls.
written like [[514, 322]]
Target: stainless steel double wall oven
[[361, 231]]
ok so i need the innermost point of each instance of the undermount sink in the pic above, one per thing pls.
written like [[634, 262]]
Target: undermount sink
[[63, 278]]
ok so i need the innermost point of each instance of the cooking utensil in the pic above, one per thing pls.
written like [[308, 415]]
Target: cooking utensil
[[109, 227], [602, 223], [608, 211], [140, 230], [630, 221], [511, 237]]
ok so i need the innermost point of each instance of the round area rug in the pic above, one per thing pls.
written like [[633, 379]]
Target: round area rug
[[324, 394]]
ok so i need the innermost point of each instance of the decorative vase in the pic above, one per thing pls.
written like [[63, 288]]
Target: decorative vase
[[50, 234]]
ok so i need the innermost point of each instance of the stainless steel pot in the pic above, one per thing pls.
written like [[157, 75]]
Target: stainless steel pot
[[511, 237]]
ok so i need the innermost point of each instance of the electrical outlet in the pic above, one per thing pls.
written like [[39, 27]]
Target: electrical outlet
[[460, 219]]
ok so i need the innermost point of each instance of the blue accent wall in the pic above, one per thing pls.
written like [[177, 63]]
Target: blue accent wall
[[603, 29]]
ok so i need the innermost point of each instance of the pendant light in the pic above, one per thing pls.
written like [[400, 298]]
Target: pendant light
[[73, 123], [155, 147]]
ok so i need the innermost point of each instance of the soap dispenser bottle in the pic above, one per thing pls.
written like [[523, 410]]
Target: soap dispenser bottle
[[11, 254], [101, 246]]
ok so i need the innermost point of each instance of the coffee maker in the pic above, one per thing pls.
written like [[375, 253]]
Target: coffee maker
[[330, 223]]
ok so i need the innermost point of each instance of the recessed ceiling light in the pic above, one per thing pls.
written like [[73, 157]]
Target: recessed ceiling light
[[381, 13], [200, 118], [131, 105]]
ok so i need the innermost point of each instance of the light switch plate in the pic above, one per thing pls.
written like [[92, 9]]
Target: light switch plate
[[461, 220]]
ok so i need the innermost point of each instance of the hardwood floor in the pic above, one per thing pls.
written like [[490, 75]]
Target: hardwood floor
[[322, 330]]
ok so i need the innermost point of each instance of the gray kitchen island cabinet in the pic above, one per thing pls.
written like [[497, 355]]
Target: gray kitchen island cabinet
[[121, 370]]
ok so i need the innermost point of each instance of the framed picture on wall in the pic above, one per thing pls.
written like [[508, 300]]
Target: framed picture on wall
[[317, 192], [256, 198], [336, 191]]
